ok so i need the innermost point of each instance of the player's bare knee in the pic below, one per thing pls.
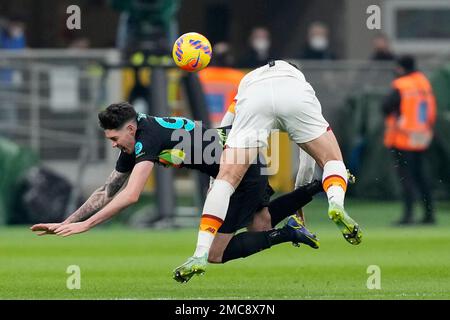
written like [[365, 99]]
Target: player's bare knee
[[266, 224], [259, 227], [266, 220], [262, 221]]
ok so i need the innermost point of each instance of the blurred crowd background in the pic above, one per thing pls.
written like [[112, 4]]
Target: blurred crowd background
[[54, 80]]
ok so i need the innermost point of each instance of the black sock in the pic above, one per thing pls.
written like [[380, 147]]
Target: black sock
[[288, 203], [277, 236], [245, 244]]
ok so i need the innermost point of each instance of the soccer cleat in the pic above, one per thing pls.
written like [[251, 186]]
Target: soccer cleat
[[350, 177], [349, 228], [194, 265], [301, 234]]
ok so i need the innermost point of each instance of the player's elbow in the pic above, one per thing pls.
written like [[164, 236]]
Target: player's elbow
[[132, 198]]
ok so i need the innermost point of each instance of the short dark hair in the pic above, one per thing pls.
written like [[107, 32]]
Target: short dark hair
[[116, 115], [407, 62]]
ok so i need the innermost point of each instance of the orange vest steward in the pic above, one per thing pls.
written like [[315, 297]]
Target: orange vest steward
[[220, 85], [412, 129]]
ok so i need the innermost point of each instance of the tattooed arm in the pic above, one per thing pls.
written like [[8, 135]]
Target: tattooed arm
[[129, 195], [101, 197]]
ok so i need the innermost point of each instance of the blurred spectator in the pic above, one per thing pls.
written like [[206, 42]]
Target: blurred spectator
[[381, 48], [410, 113], [13, 34], [260, 50], [222, 55], [317, 47], [12, 37], [220, 82]]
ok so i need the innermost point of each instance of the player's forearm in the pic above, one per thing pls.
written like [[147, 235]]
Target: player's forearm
[[120, 202], [126, 197], [100, 198], [95, 202]]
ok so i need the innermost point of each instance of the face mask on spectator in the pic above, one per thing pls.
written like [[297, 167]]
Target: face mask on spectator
[[16, 32], [318, 42], [261, 44]]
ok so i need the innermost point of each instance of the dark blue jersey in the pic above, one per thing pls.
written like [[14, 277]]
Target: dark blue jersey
[[176, 142]]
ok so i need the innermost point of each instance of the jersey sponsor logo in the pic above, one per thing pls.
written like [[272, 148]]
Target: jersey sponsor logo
[[138, 147], [211, 230]]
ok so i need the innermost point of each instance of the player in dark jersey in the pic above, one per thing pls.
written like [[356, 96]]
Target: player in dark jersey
[[179, 142]]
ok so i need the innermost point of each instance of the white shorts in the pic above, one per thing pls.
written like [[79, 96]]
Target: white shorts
[[275, 97], [308, 170]]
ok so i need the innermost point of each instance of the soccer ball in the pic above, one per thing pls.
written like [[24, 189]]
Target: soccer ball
[[192, 52]]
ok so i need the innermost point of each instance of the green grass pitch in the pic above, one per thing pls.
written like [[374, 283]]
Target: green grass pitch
[[121, 263]]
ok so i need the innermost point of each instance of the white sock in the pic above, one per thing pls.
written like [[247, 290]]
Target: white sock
[[204, 242], [336, 195], [334, 180], [216, 207]]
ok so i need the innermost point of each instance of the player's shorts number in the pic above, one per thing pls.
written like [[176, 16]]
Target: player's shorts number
[[175, 123]]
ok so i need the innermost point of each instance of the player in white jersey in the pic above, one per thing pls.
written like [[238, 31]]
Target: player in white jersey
[[308, 170], [270, 97]]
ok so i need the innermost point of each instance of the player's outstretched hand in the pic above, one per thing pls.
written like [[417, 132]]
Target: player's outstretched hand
[[69, 229], [45, 228]]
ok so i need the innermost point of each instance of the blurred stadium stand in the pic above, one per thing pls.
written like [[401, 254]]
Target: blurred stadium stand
[[50, 107], [62, 130], [53, 108]]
